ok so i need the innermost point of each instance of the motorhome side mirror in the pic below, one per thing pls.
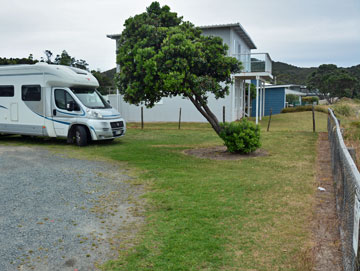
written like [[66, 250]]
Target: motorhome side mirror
[[70, 106], [108, 101]]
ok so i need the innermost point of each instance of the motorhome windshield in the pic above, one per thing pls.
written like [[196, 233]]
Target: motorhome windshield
[[90, 97]]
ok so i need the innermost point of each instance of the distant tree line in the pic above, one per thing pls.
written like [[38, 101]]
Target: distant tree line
[[14, 61], [332, 82], [64, 58], [61, 59]]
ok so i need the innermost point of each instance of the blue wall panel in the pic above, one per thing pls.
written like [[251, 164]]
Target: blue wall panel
[[274, 98]]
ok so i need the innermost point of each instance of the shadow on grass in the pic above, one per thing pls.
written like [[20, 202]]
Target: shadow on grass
[[50, 141]]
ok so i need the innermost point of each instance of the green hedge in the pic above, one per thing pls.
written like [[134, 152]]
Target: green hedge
[[310, 99], [241, 136], [303, 108]]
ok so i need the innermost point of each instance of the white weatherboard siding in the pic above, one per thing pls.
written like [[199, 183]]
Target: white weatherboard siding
[[168, 110], [223, 33]]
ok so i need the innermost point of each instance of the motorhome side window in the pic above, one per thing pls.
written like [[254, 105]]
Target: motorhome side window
[[31, 93], [6, 91], [62, 97]]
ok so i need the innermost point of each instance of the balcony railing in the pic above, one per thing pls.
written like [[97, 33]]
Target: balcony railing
[[256, 62]]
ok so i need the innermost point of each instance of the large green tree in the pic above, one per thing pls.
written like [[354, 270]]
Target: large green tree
[[161, 55], [332, 82]]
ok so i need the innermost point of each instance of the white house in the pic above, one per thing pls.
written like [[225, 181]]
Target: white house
[[256, 66]]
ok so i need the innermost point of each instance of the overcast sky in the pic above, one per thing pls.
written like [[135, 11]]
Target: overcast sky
[[299, 32]]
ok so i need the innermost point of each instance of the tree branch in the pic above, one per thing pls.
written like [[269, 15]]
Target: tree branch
[[211, 118]]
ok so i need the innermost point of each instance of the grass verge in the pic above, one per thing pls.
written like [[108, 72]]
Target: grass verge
[[249, 214]]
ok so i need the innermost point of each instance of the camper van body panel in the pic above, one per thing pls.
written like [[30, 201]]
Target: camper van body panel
[[27, 103]]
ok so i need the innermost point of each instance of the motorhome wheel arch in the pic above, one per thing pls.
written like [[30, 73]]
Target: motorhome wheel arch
[[56, 101]]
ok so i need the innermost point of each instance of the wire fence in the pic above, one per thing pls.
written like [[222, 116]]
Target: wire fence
[[347, 190]]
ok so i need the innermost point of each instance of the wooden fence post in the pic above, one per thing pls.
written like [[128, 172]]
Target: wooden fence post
[[179, 118], [269, 120], [224, 114], [313, 117], [142, 117]]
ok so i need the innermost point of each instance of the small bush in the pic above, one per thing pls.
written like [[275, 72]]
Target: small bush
[[310, 99], [303, 108], [292, 98], [241, 137], [343, 109]]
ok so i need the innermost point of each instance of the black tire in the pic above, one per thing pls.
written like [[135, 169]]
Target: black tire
[[81, 137]]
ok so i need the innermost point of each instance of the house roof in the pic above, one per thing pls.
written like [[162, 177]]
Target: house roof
[[237, 27], [283, 86], [113, 36], [298, 93]]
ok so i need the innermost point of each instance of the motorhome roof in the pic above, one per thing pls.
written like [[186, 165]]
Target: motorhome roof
[[53, 74]]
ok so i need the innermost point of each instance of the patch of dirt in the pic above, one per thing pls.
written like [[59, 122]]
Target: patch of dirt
[[327, 248], [220, 153]]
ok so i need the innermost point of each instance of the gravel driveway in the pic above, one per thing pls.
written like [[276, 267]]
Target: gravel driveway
[[60, 213]]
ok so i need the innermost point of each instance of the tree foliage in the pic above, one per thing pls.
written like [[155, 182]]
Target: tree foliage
[[332, 82], [104, 81], [65, 59], [15, 61], [292, 98], [161, 55]]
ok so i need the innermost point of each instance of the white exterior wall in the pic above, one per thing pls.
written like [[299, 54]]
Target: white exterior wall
[[223, 33], [244, 49], [168, 110]]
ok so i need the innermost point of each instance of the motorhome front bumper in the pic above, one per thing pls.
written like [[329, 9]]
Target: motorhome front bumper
[[108, 129]]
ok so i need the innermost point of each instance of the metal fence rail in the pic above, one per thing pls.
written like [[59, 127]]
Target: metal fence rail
[[347, 188]]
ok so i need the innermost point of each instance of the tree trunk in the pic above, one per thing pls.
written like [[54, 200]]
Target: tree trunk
[[207, 113]]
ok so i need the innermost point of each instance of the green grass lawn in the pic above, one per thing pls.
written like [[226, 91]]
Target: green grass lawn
[[202, 214]]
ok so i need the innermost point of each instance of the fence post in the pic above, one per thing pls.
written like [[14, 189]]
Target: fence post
[[224, 114], [179, 117], [313, 117], [269, 120], [142, 117]]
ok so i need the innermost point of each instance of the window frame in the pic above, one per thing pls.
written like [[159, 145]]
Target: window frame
[[22, 93], [65, 98], [7, 86]]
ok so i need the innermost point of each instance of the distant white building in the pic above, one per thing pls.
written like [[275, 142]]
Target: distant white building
[[256, 67]]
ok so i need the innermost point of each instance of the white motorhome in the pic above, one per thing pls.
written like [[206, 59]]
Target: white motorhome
[[56, 101]]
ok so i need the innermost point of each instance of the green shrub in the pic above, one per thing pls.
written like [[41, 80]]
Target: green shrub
[[310, 100], [292, 98], [342, 109], [241, 136], [303, 108]]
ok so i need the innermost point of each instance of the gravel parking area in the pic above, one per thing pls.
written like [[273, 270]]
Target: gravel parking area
[[60, 213]]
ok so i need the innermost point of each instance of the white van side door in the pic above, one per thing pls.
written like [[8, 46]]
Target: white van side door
[[62, 117]]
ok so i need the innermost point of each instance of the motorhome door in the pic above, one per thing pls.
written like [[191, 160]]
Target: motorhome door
[[62, 117]]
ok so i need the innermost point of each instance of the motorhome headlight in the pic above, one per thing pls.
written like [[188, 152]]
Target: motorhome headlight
[[94, 114]]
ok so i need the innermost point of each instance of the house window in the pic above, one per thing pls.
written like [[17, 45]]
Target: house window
[[31, 93], [6, 91]]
